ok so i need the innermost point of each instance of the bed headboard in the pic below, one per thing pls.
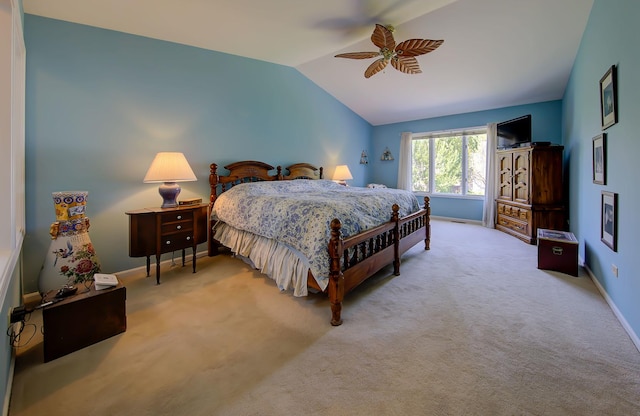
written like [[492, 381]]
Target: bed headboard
[[254, 171], [239, 172], [303, 171]]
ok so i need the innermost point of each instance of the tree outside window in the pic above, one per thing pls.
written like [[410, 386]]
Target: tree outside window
[[420, 166], [450, 163]]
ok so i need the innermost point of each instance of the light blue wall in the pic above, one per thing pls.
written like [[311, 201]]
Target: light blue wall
[[610, 39], [101, 104], [546, 125]]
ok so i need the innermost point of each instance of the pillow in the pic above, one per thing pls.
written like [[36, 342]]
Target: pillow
[[376, 185]]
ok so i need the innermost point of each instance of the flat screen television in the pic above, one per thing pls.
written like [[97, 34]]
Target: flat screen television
[[514, 133]]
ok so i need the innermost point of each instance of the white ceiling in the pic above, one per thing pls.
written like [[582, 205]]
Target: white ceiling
[[496, 53]]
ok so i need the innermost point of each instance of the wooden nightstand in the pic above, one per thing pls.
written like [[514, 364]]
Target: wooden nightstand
[[163, 230]]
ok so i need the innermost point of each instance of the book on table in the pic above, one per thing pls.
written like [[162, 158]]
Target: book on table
[[104, 281]]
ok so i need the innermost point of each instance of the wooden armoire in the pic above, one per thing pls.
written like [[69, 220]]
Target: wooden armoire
[[529, 194]]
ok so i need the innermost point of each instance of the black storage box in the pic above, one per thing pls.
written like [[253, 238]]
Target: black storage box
[[83, 319], [557, 251]]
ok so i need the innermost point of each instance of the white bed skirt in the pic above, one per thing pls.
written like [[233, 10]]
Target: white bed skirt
[[287, 266]]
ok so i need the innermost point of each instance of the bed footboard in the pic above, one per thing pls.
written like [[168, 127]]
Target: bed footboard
[[411, 228], [355, 259]]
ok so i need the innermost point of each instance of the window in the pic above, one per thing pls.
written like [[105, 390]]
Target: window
[[449, 162], [12, 178]]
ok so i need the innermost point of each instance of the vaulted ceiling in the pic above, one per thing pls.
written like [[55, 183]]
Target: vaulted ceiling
[[496, 53]]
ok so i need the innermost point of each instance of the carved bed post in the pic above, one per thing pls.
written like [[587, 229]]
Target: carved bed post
[[213, 184], [427, 225], [395, 216], [336, 279]]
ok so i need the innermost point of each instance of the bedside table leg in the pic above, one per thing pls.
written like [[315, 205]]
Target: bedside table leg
[[157, 269], [148, 265], [183, 258], [194, 258]]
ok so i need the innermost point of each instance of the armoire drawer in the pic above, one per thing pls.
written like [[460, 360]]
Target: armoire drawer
[[523, 214], [519, 226]]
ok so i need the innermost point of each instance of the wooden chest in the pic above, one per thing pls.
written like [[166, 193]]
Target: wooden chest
[[81, 320], [557, 251]]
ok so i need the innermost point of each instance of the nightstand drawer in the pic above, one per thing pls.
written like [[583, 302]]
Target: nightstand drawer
[[174, 227], [176, 216], [176, 241]]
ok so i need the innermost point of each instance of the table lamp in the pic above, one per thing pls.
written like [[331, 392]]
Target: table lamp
[[169, 168], [342, 174]]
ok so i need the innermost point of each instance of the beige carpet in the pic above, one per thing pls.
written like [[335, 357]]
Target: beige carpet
[[471, 327]]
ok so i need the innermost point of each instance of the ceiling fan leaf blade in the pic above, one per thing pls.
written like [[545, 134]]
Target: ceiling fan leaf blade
[[406, 64], [358, 55], [375, 67], [416, 47], [383, 38]]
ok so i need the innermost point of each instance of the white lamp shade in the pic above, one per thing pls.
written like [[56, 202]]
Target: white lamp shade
[[342, 173], [169, 167]]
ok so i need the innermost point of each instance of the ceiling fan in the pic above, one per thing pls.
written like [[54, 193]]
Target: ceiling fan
[[402, 56]]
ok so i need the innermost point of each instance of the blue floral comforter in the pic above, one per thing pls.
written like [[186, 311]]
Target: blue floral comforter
[[297, 213]]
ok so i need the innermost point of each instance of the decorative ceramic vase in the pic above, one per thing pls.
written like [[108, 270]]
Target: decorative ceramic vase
[[71, 258]]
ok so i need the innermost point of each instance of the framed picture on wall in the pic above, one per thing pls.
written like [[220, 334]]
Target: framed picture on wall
[[609, 220], [599, 159], [608, 99]]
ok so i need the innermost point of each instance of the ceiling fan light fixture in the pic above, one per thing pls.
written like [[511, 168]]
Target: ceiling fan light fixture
[[402, 56]]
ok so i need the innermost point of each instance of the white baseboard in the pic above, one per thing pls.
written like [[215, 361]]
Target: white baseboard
[[31, 299], [453, 219], [614, 308], [128, 272], [35, 298]]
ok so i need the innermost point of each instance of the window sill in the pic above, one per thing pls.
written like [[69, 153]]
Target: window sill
[[8, 262], [451, 196], [5, 257]]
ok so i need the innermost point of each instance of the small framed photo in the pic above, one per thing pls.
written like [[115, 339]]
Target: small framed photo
[[609, 220], [599, 159], [608, 99]]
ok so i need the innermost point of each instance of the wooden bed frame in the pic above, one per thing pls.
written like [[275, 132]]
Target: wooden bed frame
[[353, 259]]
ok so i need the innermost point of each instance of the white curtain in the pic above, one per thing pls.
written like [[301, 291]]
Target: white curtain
[[404, 162], [489, 207]]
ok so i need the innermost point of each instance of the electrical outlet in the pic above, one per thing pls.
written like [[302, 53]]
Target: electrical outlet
[[614, 269]]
